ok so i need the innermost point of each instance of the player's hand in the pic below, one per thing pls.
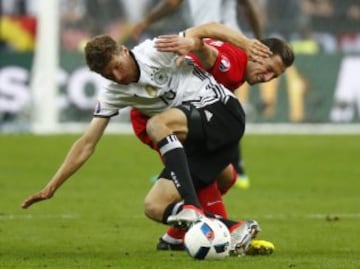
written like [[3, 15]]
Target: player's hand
[[257, 51], [37, 197], [177, 44]]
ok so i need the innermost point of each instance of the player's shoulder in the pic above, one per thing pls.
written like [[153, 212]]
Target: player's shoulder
[[147, 54], [144, 46]]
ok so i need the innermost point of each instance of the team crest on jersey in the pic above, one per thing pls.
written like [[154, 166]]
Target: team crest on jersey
[[161, 77], [151, 90], [224, 64]]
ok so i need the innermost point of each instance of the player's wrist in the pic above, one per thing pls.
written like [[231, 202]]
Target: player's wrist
[[197, 43]]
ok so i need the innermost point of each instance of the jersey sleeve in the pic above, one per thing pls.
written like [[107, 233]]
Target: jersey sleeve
[[230, 65], [107, 105], [104, 110]]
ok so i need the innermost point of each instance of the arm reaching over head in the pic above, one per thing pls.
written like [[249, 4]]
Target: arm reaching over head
[[79, 153], [254, 48], [191, 41], [183, 45]]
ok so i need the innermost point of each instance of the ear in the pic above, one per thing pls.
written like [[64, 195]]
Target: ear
[[123, 48], [116, 72]]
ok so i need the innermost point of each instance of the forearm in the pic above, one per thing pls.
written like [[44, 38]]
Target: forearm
[[219, 32], [77, 156], [80, 151], [206, 54]]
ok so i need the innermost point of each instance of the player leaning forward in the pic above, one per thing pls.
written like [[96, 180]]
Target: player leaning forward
[[184, 103]]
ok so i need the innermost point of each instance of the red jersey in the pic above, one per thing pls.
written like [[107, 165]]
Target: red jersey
[[228, 69], [230, 65]]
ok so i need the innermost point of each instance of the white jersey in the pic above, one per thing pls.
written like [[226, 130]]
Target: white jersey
[[161, 85]]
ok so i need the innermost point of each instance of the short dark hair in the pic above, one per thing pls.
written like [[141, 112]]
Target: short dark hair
[[281, 48], [99, 52]]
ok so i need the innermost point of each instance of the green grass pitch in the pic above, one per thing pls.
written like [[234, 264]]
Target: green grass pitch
[[305, 193]]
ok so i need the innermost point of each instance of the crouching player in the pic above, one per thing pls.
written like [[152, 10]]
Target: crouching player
[[231, 66]]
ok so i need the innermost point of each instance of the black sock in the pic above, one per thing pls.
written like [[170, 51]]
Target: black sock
[[228, 223], [171, 209], [175, 208], [175, 161]]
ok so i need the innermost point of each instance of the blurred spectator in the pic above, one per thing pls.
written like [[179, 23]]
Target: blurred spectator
[[353, 11], [166, 17], [349, 20], [135, 9], [318, 8], [103, 15], [244, 18], [74, 30], [285, 20], [72, 13], [81, 19], [18, 7], [347, 91]]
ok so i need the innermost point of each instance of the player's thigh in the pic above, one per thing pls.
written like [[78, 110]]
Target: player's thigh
[[172, 121], [162, 193], [226, 178]]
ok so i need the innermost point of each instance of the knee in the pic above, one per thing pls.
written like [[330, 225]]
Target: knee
[[153, 209], [155, 128]]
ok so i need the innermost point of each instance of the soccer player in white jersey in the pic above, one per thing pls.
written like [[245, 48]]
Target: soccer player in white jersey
[[186, 104], [205, 11]]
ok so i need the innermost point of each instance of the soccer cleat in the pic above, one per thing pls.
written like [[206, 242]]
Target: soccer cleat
[[187, 216], [260, 247], [242, 235], [242, 181], [163, 245]]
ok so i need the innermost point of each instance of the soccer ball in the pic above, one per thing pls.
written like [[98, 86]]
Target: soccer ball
[[207, 239]]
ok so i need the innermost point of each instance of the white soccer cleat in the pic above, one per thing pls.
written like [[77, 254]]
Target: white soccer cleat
[[242, 235], [187, 216]]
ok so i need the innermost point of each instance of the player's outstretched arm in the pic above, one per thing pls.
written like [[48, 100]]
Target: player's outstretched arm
[[254, 48], [80, 151]]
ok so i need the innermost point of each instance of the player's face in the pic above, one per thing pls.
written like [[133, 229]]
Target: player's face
[[258, 73], [121, 69]]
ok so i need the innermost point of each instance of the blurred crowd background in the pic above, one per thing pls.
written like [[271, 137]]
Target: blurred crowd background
[[332, 25], [325, 35]]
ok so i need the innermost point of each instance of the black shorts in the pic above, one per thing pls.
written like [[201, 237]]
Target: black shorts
[[212, 141]]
